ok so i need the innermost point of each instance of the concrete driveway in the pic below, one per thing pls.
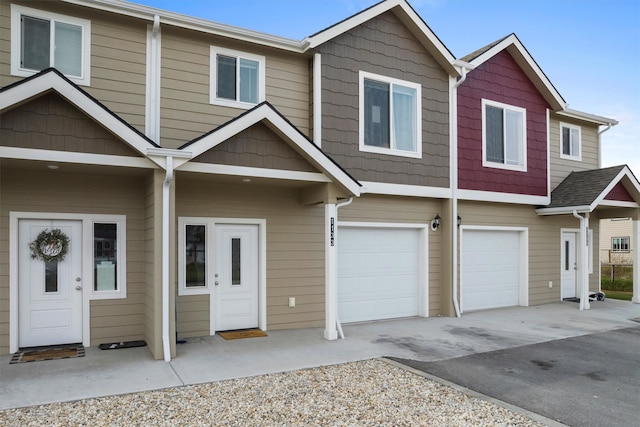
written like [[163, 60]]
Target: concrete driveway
[[103, 373], [590, 380]]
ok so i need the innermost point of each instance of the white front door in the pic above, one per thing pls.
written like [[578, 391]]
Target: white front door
[[568, 265], [49, 293], [235, 276]]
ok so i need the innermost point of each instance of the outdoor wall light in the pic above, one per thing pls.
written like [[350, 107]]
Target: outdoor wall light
[[435, 223], [459, 220]]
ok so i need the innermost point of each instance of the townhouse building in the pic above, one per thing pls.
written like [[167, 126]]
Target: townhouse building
[[163, 175]]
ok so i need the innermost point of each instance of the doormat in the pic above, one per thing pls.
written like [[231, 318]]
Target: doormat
[[37, 354], [635, 319], [245, 333], [572, 299]]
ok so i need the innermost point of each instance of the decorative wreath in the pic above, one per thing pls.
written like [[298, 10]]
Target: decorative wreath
[[50, 245]]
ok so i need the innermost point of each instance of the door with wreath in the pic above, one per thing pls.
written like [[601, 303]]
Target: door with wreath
[[49, 282]]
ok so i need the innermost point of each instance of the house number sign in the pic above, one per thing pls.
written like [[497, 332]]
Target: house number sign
[[332, 232]]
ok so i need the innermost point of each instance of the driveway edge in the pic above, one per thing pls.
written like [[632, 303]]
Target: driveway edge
[[532, 415]]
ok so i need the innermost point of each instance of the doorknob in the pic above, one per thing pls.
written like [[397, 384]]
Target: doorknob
[[78, 279], [216, 283], [78, 288]]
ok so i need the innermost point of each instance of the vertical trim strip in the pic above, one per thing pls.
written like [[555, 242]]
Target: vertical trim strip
[[317, 99]]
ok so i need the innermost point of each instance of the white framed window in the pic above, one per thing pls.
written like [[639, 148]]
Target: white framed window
[[237, 78], [41, 39], [570, 142], [390, 116], [620, 244], [504, 136], [108, 257], [194, 258]]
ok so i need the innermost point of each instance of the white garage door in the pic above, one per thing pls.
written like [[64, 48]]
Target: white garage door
[[490, 269], [378, 273]]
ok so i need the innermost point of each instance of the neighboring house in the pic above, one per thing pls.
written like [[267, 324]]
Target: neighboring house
[[617, 242], [213, 178]]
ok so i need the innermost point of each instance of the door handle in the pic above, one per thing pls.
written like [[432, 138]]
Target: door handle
[[78, 288], [216, 283]]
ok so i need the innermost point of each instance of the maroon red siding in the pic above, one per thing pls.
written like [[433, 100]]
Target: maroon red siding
[[500, 79], [620, 194]]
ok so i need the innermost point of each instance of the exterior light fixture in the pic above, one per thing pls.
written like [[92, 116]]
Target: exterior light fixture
[[459, 220], [435, 222]]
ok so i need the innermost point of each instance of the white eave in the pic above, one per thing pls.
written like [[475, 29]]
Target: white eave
[[184, 21], [407, 15], [522, 57], [599, 120]]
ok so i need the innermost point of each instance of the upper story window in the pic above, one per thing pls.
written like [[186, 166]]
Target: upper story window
[[620, 244], [570, 142], [390, 116], [42, 39], [237, 78], [504, 136]]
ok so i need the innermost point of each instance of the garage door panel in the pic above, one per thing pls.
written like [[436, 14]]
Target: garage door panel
[[490, 269], [377, 273]]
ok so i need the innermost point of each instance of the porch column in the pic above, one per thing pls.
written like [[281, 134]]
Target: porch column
[[331, 272], [635, 241]]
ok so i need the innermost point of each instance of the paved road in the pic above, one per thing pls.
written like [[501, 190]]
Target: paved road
[[590, 380]]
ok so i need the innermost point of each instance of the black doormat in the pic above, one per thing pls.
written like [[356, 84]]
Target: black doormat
[[37, 354], [572, 299]]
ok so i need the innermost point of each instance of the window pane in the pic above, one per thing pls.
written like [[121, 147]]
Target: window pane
[[514, 129], [494, 134], [51, 276], [376, 114], [195, 251], [404, 117], [575, 142], [235, 261], [566, 141], [35, 43], [105, 251], [249, 80], [226, 77], [68, 48]]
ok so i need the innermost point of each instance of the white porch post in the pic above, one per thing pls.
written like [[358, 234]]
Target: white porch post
[[331, 272], [636, 261]]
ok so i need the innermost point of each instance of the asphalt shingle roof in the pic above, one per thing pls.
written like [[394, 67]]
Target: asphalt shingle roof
[[583, 188]]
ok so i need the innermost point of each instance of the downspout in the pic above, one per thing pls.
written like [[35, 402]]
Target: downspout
[[609, 126], [584, 262], [166, 191], [339, 205], [454, 189]]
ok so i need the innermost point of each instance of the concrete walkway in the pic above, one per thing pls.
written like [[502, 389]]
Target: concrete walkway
[[102, 373]]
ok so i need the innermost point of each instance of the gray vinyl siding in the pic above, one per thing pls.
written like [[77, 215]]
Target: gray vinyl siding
[[51, 123], [544, 242], [384, 46], [185, 86], [294, 244], [387, 209], [561, 168], [259, 147]]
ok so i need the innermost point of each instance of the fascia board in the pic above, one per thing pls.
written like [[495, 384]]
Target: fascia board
[[564, 210], [599, 120], [192, 23], [529, 66], [624, 173], [51, 81], [280, 126], [446, 58]]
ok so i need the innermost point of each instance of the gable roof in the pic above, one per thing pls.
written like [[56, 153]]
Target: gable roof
[[516, 49], [407, 15], [584, 191], [275, 121], [51, 79]]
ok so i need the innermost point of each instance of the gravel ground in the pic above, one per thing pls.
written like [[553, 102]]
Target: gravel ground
[[365, 393]]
